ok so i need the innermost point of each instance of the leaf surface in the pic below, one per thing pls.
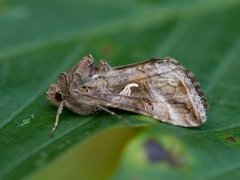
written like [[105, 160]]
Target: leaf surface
[[38, 40]]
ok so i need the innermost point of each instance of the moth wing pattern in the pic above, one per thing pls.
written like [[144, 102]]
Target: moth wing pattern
[[159, 88]]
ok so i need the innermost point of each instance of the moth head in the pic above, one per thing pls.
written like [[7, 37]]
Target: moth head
[[58, 90], [54, 95]]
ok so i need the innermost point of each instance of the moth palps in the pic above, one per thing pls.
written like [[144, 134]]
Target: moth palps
[[160, 88]]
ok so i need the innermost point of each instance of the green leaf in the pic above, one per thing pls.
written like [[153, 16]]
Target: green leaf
[[40, 39]]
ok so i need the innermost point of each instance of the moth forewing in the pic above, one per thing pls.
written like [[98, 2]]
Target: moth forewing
[[166, 91], [160, 88]]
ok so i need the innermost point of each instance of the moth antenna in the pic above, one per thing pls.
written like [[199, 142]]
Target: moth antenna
[[59, 111], [113, 113]]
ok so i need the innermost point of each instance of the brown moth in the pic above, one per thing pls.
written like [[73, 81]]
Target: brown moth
[[160, 88]]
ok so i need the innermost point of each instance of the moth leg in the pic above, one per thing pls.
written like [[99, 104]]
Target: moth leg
[[59, 111], [113, 113]]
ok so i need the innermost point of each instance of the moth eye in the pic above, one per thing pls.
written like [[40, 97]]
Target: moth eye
[[58, 96]]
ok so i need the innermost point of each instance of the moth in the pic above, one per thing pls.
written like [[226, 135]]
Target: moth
[[160, 88]]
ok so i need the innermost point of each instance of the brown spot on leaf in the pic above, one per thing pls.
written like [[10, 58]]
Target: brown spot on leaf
[[157, 153], [107, 49], [231, 139]]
